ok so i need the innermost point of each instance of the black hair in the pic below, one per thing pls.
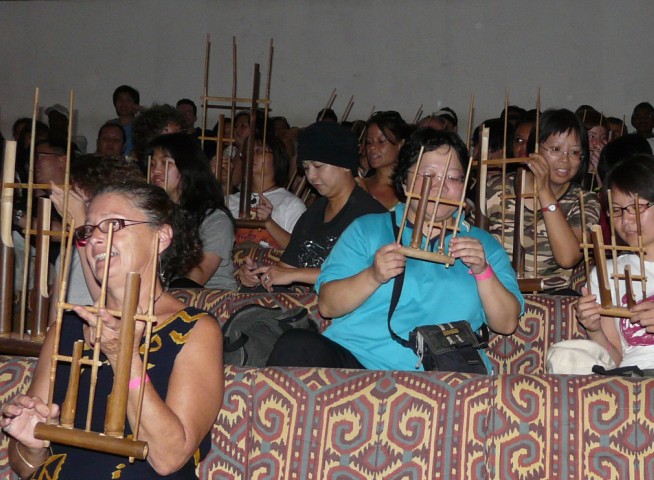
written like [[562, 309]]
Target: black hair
[[281, 160], [633, 175], [132, 92], [618, 121], [391, 124], [113, 125], [18, 123], [91, 172], [185, 249], [646, 105], [619, 149], [432, 140], [149, 124], [201, 194], [280, 119], [496, 135], [562, 121], [188, 101], [325, 115]]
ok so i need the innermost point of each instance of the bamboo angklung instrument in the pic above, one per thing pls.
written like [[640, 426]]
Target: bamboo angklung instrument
[[415, 248], [245, 206], [7, 247], [608, 308], [112, 440]]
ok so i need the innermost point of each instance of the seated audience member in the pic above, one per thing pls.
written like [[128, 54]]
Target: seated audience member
[[23, 146], [183, 389], [385, 134], [449, 118], [278, 207], [58, 117], [521, 134], [180, 167], [597, 128], [617, 128], [629, 341], [111, 140], [284, 133], [328, 154], [642, 119], [613, 153], [189, 112], [556, 215], [357, 280], [126, 102], [152, 122]]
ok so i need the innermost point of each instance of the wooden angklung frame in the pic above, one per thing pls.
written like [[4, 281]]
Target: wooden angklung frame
[[596, 250], [415, 249], [528, 282], [22, 332], [112, 440], [233, 103]]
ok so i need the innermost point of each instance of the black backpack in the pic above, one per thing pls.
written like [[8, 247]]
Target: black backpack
[[250, 334]]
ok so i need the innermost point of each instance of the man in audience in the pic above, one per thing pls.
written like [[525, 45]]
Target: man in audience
[[189, 112], [449, 118], [111, 140], [642, 119], [127, 104]]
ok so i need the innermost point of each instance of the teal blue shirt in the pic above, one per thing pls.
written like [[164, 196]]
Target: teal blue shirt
[[432, 293]]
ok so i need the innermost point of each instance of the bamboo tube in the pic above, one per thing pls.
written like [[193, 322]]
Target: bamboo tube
[[470, 113], [410, 195], [328, 105], [518, 261], [7, 249], [246, 182], [437, 202], [92, 441], [347, 110], [69, 406], [114, 425], [28, 221], [218, 172], [416, 237], [38, 316]]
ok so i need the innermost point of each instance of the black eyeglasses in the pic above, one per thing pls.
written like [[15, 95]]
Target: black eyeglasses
[[631, 209], [84, 232]]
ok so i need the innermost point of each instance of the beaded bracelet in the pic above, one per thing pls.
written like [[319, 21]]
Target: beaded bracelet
[[486, 274]]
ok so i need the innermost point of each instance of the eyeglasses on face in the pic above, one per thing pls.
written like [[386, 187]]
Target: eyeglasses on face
[[84, 232], [557, 152], [631, 209], [450, 179]]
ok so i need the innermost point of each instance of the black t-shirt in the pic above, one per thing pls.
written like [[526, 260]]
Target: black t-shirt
[[313, 238]]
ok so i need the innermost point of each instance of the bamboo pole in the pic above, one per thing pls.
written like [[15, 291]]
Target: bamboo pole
[[7, 248]]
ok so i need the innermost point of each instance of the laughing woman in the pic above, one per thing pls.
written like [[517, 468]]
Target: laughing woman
[[557, 171], [184, 384]]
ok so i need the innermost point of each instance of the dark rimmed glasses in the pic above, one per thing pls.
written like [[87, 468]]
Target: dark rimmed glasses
[[84, 232], [631, 209]]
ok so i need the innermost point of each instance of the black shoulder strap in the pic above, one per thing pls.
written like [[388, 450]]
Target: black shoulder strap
[[398, 282]]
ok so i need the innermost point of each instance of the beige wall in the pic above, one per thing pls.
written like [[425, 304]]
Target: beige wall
[[388, 53]]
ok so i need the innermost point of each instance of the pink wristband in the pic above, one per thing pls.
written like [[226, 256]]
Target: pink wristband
[[486, 274], [136, 382]]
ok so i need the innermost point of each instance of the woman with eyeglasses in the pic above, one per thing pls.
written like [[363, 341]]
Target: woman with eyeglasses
[[277, 207], [180, 167], [556, 172], [629, 341], [357, 281], [385, 134], [183, 388]]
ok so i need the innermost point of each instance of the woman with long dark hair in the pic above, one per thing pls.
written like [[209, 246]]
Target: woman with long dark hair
[[191, 184]]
